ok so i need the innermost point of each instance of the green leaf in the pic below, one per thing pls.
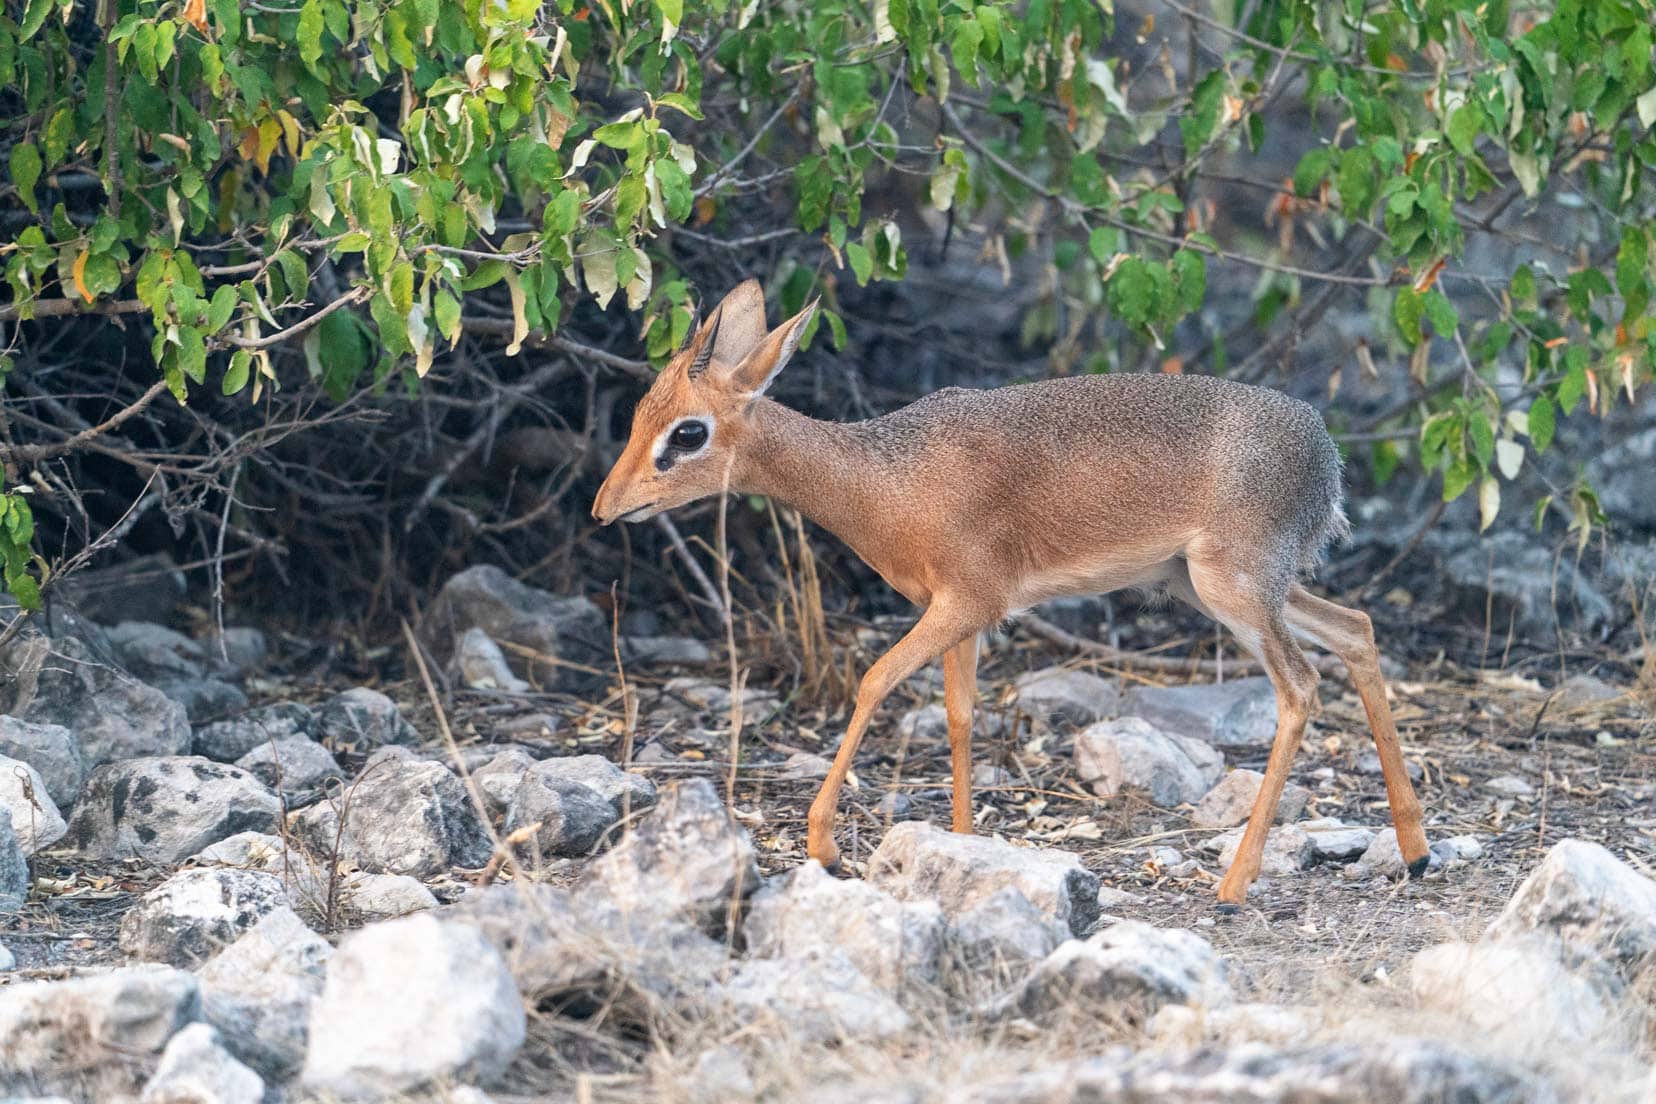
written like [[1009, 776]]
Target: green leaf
[[223, 305], [34, 16], [235, 377], [192, 354], [1407, 309], [310, 32], [1457, 477], [446, 308], [1309, 173], [1189, 279], [1441, 313], [862, 262], [25, 172], [1543, 418], [1464, 127], [1103, 243], [1483, 437], [678, 101]]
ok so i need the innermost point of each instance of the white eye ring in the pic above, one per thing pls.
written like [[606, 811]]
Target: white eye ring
[[664, 443]]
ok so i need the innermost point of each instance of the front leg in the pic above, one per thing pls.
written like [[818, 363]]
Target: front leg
[[945, 623], [959, 702]]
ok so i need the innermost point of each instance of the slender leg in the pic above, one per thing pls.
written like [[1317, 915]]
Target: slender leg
[[959, 701], [1244, 603], [944, 624], [1349, 634]]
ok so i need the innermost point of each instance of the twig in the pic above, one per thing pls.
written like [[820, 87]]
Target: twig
[[665, 524], [355, 295], [33, 454], [1046, 630], [503, 327]]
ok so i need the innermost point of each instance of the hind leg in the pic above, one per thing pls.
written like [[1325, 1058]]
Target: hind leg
[[1251, 606], [959, 702], [1349, 634]]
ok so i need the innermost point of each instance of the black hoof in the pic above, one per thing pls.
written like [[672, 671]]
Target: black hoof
[[1225, 908], [1418, 867]]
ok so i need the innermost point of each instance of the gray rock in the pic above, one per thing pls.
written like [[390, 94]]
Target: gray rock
[[1236, 713], [1333, 841], [81, 1036], [571, 818], [228, 740], [1384, 859], [895, 943], [1386, 1071], [681, 651], [896, 806], [291, 764], [1598, 908], [585, 951], [258, 992], [1128, 971], [1060, 697], [402, 816], [238, 651], [916, 861], [204, 699], [151, 651], [1230, 802], [1583, 691], [362, 720], [625, 791], [930, 723], [1520, 992], [1004, 932], [687, 859], [1458, 848], [720, 1075], [144, 588], [820, 997], [14, 867], [498, 778], [1277, 1024], [806, 766], [1131, 753], [1288, 850], [250, 850], [1509, 579], [112, 715], [1369, 763], [8, 961], [570, 629], [1509, 785], [368, 898], [701, 695], [482, 665], [382, 1027], [196, 913], [34, 815], [51, 750], [196, 1069], [166, 809]]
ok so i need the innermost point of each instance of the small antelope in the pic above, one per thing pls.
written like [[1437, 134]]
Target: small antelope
[[974, 504]]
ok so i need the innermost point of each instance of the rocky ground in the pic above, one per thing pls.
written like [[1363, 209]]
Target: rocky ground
[[226, 875]]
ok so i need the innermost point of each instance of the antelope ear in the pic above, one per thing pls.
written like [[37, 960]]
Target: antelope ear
[[742, 323], [754, 374]]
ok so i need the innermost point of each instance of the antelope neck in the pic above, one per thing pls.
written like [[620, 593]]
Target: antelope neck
[[820, 468]]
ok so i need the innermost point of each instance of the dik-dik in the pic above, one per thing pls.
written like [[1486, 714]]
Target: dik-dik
[[975, 504]]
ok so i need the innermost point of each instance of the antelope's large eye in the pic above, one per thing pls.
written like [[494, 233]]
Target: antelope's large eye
[[689, 436]]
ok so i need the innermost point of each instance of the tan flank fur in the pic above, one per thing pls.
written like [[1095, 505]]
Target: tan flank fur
[[974, 504]]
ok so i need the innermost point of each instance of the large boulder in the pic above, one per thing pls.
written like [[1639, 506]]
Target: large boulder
[[14, 867], [1519, 991], [686, 859], [259, 990], [362, 720], [1059, 696], [1598, 909], [291, 764], [575, 800], [548, 625], [232, 738], [166, 809], [585, 951], [1236, 713], [51, 750], [819, 997], [1508, 579], [152, 652], [402, 816], [144, 588], [1128, 971], [1132, 754], [917, 862], [66, 681], [34, 815], [806, 911], [1004, 932], [410, 1003], [196, 913], [82, 1036], [196, 1069], [1230, 802]]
